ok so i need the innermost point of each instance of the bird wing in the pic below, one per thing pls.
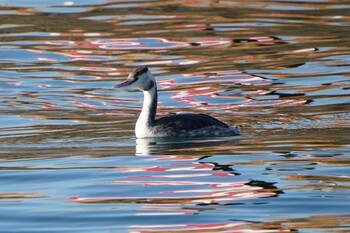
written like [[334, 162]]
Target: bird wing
[[187, 122]]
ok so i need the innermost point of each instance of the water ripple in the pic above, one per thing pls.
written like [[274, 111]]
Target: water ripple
[[280, 69]]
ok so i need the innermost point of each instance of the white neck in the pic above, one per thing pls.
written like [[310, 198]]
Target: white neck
[[148, 113]]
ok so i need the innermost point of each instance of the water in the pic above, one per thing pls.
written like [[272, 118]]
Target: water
[[69, 158]]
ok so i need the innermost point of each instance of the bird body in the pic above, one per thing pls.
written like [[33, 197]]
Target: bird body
[[179, 125]]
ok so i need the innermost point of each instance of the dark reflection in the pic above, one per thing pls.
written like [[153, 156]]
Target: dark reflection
[[223, 167], [264, 41], [193, 146], [290, 166]]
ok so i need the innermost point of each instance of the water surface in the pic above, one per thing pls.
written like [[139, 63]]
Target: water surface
[[69, 159]]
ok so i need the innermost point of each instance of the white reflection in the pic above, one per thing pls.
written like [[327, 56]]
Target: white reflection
[[144, 146]]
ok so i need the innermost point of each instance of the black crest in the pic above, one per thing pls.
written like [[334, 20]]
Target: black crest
[[140, 70]]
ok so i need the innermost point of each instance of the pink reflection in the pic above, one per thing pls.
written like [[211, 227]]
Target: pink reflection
[[197, 167], [75, 54], [164, 209], [61, 42], [183, 181], [222, 227], [49, 106], [228, 76], [265, 40], [167, 62], [179, 185], [80, 104], [107, 71], [183, 158], [92, 50], [194, 96], [261, 40], [188, 27], [202, 90], [176, 166], [101, 69], [47, 59], [138, 43], [148, 43], [204, 197], [221, 174], [277, 102], [189, 96], [307, 50], [14, 83], [79, 34], [210, 41]]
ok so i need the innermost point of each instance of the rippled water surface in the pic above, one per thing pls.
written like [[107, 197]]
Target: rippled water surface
[[69, 159]]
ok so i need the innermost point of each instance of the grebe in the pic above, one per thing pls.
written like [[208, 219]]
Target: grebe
[[179, 125]]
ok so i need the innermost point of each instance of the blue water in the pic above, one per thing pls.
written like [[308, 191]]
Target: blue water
[[69, 159]]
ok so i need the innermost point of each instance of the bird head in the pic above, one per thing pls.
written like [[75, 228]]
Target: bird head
[[141, 78]]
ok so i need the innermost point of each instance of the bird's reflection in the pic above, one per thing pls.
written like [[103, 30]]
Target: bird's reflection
[[196, 146], [145, 146]]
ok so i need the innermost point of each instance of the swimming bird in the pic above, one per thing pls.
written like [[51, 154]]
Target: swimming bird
[[179, 125]]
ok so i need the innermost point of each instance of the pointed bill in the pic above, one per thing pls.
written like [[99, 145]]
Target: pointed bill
[[126, 83]]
